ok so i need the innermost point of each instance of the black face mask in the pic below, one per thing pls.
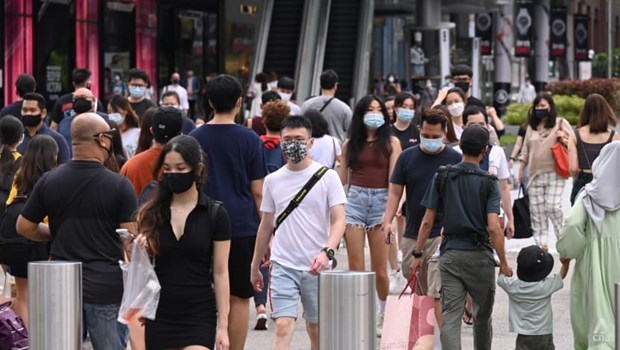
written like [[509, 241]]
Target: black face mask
[[462, 85], [178, 182], [82, 105], [31, 121], [174, 81]]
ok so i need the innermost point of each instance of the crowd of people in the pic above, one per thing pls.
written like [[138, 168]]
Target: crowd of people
[[231, 208]]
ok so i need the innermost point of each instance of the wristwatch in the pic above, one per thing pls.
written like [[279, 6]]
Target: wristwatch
[[417, 255], [329, 252]]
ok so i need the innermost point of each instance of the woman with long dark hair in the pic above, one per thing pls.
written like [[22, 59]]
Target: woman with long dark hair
[[11, 135], [370, 154], [17, 251], [121, 112], [145, 140], [326, 148], [595, 130], [188, 236], [545, 186], [117, 154]]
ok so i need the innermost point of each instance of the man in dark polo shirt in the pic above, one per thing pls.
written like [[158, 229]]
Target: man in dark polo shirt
[[85, 203], [33, 116], [469, 200]]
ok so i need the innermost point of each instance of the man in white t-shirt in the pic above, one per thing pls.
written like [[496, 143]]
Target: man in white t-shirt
[[304, 243], [175, 85], [496, 164]]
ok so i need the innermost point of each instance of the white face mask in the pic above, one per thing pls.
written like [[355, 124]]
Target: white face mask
[[285, 97], [456, 109]]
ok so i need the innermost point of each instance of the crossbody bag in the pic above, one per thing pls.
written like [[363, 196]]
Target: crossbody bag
[[294, 203]]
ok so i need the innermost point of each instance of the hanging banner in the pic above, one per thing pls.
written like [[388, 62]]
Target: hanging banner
[[557, 20], [484, 30], [581, 37], [523, 24]]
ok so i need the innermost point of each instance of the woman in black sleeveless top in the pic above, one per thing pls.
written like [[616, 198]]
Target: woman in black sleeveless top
[[592, 134]]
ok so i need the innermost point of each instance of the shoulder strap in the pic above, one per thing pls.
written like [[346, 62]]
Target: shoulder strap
[[611, 136], [215, 209], [326, 104], [294, 203], [335, 155]]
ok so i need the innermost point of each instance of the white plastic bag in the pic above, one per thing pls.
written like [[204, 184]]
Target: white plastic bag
[[142, 287]]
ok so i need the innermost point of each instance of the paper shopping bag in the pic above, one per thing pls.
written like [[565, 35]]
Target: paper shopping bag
[[395, 334], [422, 330]]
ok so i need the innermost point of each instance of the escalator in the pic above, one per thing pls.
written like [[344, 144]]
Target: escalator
[[340, 49], [284, 36]]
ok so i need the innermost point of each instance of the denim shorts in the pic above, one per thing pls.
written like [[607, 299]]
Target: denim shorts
[[287, 287], [365, 206]]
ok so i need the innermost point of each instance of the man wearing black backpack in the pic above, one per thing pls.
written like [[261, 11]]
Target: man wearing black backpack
[[469, 200]]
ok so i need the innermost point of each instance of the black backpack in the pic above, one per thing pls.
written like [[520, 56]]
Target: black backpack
[[449, 172], [273, 156]]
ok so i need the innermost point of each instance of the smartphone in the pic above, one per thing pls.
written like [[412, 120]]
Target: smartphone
[[390, 235], [123, 233]]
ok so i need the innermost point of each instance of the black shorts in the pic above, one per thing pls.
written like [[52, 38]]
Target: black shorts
[[239, 263], [18, 255]]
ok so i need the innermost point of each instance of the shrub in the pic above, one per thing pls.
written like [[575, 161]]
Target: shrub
[[608, 88], [568, 107]]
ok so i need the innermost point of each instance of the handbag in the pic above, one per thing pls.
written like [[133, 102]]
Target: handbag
[[560, 155], [521, 213], [409, 323]]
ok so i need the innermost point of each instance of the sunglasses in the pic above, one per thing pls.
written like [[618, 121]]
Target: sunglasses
[[109, 133]]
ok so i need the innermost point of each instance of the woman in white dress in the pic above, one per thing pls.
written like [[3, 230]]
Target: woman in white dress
[[326, 149]]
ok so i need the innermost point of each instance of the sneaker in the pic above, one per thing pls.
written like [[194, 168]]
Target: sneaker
[[397, 282], [261, 322], [380, 325]]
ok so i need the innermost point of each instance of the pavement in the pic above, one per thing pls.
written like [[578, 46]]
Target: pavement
[[502, 338]]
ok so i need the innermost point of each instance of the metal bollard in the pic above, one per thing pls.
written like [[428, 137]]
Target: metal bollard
[[55, 298], [617, 315], [347, 310]]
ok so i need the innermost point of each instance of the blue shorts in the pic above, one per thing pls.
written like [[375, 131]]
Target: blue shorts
[[365, 206], [287, 287]]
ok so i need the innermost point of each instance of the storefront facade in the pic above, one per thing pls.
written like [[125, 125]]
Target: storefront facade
[[48, 39]]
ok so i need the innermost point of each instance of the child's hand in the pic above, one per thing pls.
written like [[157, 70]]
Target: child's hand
[[565, 267]]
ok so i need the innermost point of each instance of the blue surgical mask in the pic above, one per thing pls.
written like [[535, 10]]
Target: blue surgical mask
[[431, 145], [137, 91], [406, 115], [116, 117], [541, 113], [374, 121]]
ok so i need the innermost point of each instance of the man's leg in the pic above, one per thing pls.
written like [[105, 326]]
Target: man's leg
[[239, 261], [309, 289], [479, 276], [313, 333], [105, 332], [285, 326], [452, 299], [284, 292]]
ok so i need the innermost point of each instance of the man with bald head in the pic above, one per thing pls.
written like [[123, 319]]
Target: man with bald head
[[84, 101], [175, 85], [33, 115], [86, 203]]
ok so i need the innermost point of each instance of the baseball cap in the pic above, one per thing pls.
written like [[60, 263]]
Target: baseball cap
[[474, 139], [167, 123]]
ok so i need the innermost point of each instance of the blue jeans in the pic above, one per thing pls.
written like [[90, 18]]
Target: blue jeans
[[106, 333]]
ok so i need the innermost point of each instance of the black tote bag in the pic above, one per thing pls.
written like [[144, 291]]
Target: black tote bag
[[521, 212]]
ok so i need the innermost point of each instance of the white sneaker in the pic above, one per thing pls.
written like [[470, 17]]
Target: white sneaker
[[397, 282], [380, 325]]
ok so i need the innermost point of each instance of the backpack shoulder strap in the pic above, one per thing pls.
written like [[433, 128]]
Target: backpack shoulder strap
[[214, 210]]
